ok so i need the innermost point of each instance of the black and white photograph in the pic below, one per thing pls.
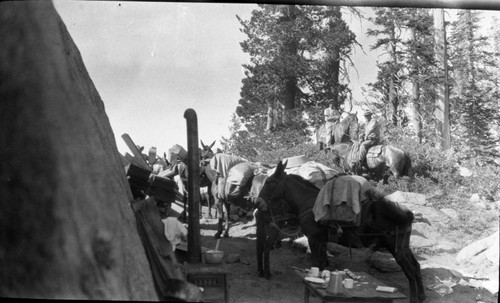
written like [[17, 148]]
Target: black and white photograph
[[250, 151]]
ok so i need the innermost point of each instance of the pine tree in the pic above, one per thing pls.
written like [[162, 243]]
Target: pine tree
[[475, 94], [390, 77], [296, 65]]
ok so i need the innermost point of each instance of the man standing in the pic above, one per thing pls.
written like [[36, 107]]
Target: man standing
[[332, 117]]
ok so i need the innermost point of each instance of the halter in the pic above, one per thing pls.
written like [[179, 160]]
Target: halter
[[276, 219]]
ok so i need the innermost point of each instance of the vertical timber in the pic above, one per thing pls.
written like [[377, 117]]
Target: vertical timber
[[194, 238]]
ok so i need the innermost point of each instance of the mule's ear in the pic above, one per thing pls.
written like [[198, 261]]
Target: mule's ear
[[203, 145], [280, 168], [212, 145]]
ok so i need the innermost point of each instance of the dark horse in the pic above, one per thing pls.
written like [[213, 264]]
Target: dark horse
[[397, 161], [344, 131], [383, 224]]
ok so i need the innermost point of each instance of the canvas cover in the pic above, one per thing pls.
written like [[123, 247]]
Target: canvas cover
[[312, 171], [241, 173], [341, 199], [175, 153], [221, 163]]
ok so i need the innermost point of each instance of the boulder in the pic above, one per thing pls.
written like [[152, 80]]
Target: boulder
[[406, 198], [485, 248]]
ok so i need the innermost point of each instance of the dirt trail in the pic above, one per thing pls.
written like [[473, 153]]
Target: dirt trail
[[286, 286]]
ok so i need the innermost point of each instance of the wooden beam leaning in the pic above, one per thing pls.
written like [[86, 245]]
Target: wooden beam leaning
[[137, 154]]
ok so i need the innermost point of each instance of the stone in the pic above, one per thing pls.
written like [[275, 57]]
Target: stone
[[464, 171], [406, 197], [421, 242], [452, 213], [475, 198], [446, 247], [233, 258], [384, 262], [471, 251]]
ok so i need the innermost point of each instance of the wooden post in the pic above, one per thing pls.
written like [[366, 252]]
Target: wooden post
[[193, 163]]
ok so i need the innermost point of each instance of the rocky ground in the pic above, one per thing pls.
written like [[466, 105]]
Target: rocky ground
[[458, 281]]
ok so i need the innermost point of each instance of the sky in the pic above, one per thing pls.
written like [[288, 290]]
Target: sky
[[150, 61]]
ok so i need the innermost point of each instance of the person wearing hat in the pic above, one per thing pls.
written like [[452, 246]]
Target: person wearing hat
[[332, 117], [371, 136], [372, 129]]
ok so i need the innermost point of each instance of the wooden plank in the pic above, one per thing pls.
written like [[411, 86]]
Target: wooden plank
[[137, 154], [132, 159]]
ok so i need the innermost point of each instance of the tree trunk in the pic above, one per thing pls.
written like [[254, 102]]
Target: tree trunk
[[416, 121], [393, 95], [334, 59], [441, 112], [270, 117]]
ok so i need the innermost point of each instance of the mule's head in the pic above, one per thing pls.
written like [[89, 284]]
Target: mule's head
[[206, 151], [271, 190]]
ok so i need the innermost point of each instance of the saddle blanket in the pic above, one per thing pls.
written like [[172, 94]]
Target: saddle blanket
[[346, 191]]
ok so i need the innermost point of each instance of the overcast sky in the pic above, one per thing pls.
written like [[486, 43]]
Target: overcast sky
[[151, 61]]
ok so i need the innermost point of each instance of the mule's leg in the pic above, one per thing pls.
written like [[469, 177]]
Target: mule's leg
[[227, 206], [410, 273], [220, 215], [260, 243], [418, 275], [210, 203], [400, 249]]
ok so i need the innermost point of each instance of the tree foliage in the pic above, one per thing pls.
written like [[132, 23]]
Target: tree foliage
[[475, 92], [298, 61]]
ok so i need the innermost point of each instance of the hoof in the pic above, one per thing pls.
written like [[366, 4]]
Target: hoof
[[217, 236], [226, 235], [261, 274]]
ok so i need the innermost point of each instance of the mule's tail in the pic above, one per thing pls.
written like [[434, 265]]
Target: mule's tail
[[407, 169]]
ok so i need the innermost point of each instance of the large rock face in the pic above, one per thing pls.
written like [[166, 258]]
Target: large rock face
[[66, 226]]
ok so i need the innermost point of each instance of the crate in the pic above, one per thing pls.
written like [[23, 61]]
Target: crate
[[212, 279]]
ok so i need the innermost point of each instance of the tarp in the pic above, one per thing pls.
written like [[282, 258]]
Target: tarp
[[221, 163], [312, 171], [175, 153], [350, 191], [241, 173]]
